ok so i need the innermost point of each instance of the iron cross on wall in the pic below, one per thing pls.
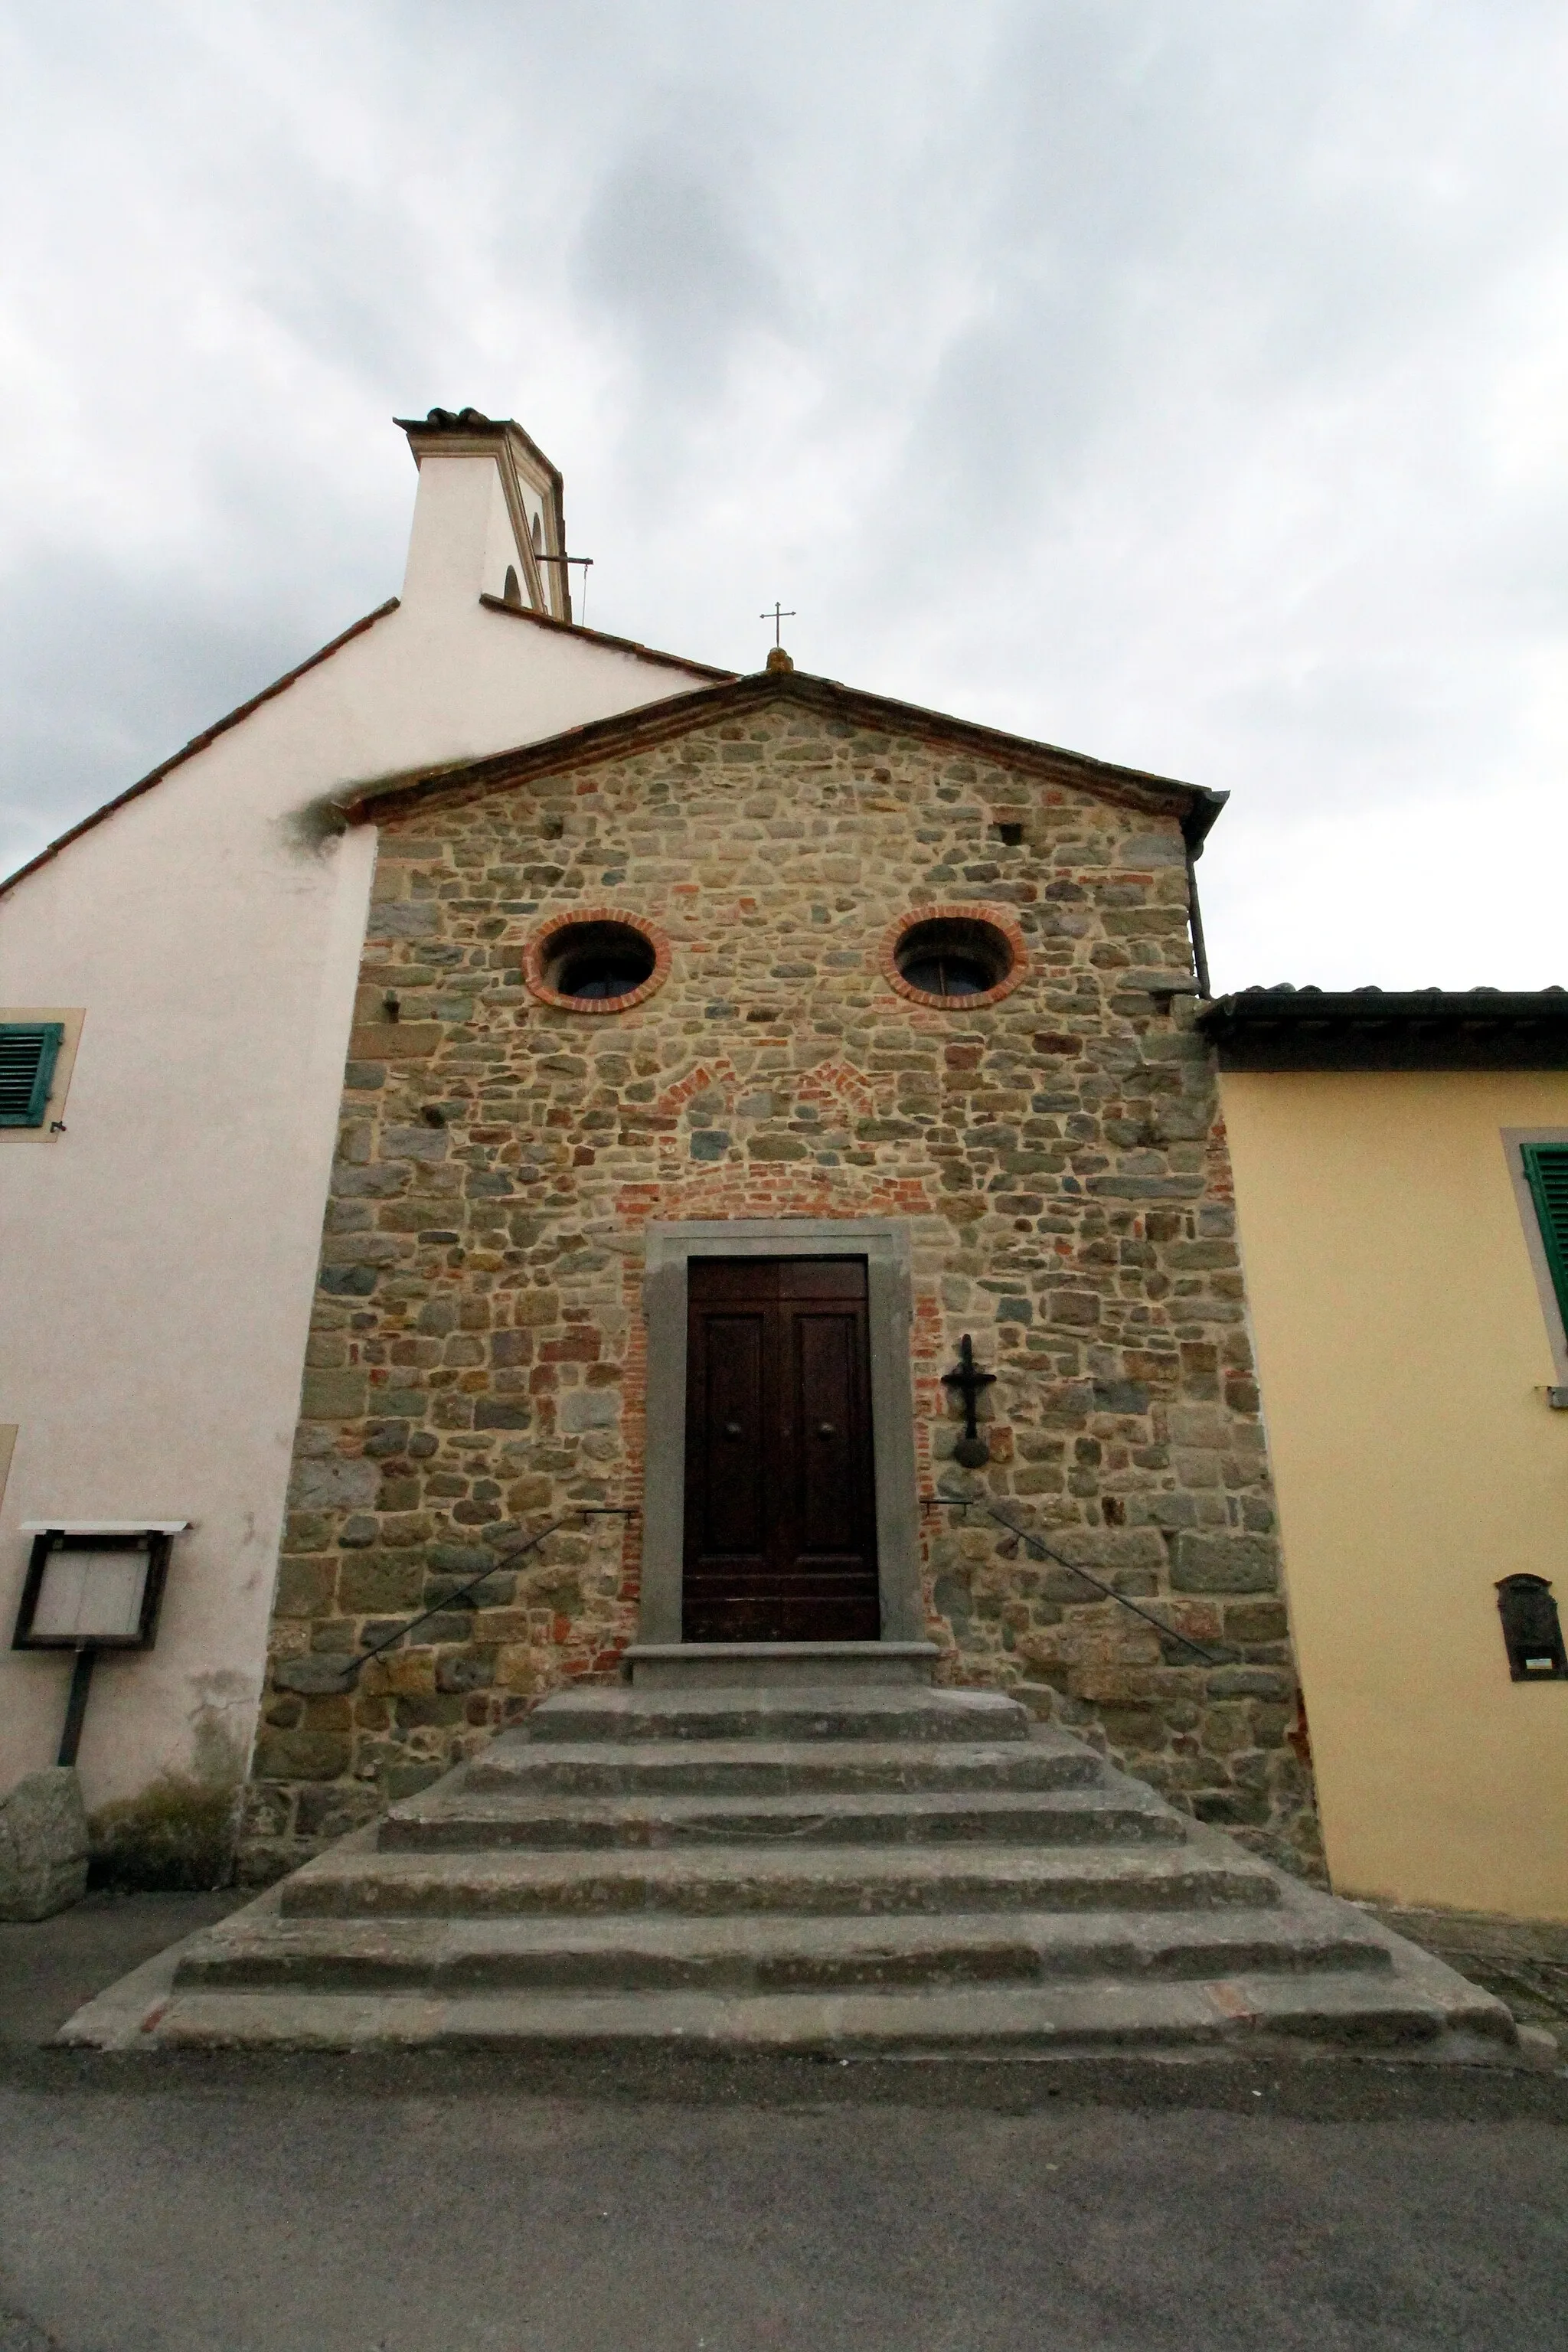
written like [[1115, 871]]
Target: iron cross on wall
[[972, 1450]]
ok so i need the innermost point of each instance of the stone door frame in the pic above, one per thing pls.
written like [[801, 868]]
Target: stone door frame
[[884, 1243]]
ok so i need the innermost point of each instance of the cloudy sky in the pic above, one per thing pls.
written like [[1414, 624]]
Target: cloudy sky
[[1182, 381]]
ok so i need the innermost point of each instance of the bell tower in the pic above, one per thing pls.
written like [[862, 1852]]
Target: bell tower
[[489, 519]]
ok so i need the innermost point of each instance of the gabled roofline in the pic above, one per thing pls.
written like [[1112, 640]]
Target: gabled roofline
[[209, 735], [599, 637], [634, 731], [197, 744]]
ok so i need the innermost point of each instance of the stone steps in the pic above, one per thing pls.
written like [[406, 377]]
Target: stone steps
[[348, 1884], [1350, 2008], [868, 1867], [493, 1821], [789, 1712], [781, 1953], [516, 1766]]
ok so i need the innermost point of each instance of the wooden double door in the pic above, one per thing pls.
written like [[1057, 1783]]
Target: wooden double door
[[781, 1517]]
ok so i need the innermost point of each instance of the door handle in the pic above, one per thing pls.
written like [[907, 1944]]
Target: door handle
[[731, 1429], [825, 1429]]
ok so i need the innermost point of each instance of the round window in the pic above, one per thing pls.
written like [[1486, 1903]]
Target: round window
[[598, 963], [943, 958]]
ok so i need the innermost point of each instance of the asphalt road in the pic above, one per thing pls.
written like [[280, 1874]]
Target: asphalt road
[[203, 2222], [341, 2205]]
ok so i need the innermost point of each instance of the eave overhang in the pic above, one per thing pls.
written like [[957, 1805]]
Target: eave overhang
[[1376, 1029]]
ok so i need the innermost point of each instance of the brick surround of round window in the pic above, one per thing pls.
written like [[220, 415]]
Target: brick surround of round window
[[1008, 943], [545, 946]]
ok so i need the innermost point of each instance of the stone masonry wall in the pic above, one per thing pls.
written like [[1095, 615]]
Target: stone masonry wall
[[476, 1359]]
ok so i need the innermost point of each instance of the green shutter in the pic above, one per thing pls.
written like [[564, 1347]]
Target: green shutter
[[1546, 1166], [27, 1051]]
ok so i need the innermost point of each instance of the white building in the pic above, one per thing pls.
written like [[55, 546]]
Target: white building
[[196, 942]]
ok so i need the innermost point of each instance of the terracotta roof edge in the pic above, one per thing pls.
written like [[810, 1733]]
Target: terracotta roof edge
[[601, 637], [919, 716], [655, 722], [1291, 1004], [651, 720]]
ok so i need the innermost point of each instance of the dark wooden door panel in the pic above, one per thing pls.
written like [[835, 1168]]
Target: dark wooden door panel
[[730, 1470], [779, 1501], [824, 1432]]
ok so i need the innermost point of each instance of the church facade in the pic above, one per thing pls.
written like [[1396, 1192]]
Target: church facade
[[522, 1153], [722, 1074]]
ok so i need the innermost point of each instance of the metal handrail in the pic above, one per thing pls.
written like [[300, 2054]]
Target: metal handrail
[[1026, 1535], [318, 1675]]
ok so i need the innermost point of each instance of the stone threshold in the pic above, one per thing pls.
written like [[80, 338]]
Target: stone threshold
[[762, 1666]]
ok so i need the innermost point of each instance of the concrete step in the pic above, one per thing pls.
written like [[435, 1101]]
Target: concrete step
[[488, 1819], [775, 1712], [733, 1768], [777, 1953], [353, 1879], [1331, 2010]]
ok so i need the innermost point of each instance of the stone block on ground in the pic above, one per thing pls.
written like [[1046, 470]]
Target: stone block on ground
[[43, 1845]]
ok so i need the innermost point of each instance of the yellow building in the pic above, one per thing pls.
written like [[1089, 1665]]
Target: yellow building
[[1401, 1165]]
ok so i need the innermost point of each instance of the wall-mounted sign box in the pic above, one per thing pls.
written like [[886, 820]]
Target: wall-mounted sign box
[[94, 1583]]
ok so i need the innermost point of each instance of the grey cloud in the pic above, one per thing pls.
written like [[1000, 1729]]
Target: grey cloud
[[666, 251], [1181, 385], [105, 674]]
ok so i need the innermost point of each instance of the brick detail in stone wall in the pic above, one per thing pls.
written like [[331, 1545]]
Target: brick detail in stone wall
[[537, 950], [996, 917], [476, 1362]]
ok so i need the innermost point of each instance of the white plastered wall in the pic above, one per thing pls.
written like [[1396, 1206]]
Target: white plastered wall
[[160, 1254]]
